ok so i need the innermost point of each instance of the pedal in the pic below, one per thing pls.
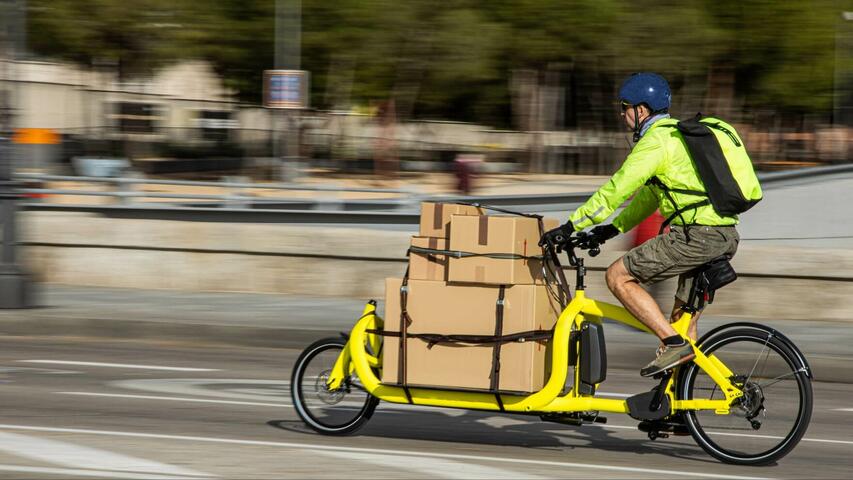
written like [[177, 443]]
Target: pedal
[[664, 427], [575, 419], [651, 405]]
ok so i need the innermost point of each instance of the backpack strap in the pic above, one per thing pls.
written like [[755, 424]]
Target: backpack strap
[[679, 211]]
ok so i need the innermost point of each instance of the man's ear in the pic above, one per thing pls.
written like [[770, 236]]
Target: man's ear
[[645, 112]]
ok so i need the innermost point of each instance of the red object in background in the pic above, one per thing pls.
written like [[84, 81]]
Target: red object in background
[[465, 166], [648, 228]]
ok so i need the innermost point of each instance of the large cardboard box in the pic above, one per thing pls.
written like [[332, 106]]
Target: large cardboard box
[[435, 217], [496, 234], [426, 266], [439, 308]]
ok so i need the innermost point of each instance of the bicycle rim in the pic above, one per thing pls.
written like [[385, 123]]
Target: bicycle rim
[[331, 412], [776, 407]]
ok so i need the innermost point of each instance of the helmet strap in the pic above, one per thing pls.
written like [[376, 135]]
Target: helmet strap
[[637, 125]]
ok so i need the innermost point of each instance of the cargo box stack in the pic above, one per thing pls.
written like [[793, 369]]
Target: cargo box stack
[[474, 312]]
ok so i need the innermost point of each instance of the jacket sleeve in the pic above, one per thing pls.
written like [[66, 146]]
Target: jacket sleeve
[[645, 202], [641, 165]]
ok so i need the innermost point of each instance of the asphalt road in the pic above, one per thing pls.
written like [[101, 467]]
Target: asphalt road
[[95, 408]]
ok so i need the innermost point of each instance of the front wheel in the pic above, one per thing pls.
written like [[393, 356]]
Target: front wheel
[[774, 412], [330, 412]]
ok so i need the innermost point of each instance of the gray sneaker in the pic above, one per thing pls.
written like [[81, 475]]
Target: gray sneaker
[[668, 357]]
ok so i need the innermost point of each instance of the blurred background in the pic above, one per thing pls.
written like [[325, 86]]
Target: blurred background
[[176, 87]]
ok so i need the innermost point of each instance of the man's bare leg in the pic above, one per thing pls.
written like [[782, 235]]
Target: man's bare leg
[[637, 300], [677, 311]]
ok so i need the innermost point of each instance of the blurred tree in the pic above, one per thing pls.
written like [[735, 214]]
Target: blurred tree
[[235, 36], [492, 61], [135, 37], [783, 52]]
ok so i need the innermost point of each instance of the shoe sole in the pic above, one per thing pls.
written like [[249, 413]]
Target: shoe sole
[[674, 364]]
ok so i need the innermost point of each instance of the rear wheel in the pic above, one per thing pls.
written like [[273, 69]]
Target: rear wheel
[[774, 412], [331, 412]]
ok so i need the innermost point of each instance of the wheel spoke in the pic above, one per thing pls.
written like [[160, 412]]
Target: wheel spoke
[[337, 412], [748, 434]]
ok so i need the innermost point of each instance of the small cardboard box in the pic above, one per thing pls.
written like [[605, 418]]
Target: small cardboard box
[[425, 266], [497, 234], [435, 217], [439, 308]]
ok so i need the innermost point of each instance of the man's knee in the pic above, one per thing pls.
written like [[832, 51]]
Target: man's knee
[[617, 275]]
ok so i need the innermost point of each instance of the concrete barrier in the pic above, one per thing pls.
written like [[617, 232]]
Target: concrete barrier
[[88, 249]]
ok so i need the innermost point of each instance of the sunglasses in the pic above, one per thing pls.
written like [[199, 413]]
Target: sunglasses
[[625, 106]]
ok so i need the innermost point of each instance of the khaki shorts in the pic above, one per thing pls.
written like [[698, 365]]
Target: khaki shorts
[[671, 254]]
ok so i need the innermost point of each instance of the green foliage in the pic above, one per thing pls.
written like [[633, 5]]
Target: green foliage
[[133, 37], [455, 59]]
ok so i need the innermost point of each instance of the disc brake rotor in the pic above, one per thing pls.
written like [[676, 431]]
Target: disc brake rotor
[[329, 397], [751, 404]]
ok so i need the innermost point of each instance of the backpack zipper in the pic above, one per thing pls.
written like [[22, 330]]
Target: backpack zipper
[[725, 130]]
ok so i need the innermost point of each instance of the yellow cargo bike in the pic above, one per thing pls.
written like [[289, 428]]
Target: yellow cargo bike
[[746, 398]]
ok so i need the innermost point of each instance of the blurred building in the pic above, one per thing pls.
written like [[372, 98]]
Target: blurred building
[[183, 119]]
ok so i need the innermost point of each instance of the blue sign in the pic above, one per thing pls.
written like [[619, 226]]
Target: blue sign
[[286, 88]]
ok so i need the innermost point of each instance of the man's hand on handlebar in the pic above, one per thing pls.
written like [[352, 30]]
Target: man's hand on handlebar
[[561, 238], [603, 233], [558, 236]]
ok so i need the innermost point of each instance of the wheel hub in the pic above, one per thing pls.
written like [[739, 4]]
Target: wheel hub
[[329, 397], [751, 404]]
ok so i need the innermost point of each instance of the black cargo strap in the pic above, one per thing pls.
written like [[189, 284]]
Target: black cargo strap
[[561, 276], [567, 294], [496, 209], [494, 386], [405, 321], [433, 339], [461, 254]]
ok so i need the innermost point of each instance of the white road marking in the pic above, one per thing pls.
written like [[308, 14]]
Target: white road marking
[[194, 386], [177, 399], [328, 448], [729, 434], [386, 407], [611, 394], [843, 409], [39, 371], [431, 467], [81, 457], [121, 365], [80, 472]]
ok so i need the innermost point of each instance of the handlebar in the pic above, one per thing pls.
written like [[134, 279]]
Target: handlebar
[[579, 240]]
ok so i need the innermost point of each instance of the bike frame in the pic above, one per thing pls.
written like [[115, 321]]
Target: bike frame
[[356, 359]]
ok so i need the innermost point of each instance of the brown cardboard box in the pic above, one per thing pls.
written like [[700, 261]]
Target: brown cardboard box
[[435, 217], [496, 234], [439, 308], [424, 266]]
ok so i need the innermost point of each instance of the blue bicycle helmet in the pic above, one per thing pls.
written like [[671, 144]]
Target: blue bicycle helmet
[[646, 88]]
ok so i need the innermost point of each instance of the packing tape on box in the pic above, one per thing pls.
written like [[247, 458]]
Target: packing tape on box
[[432, 259], [483, 231], [437, 215]]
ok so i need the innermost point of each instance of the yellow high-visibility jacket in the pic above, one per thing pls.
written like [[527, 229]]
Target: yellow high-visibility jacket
[[662, 153]]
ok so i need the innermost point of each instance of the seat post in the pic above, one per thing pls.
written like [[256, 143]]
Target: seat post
[[692, 300]]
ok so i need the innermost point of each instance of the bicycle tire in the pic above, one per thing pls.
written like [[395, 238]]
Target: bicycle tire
[[298, 392], [703, 433]]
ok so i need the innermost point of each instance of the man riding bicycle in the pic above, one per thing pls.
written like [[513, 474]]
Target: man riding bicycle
[[660, 173]]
